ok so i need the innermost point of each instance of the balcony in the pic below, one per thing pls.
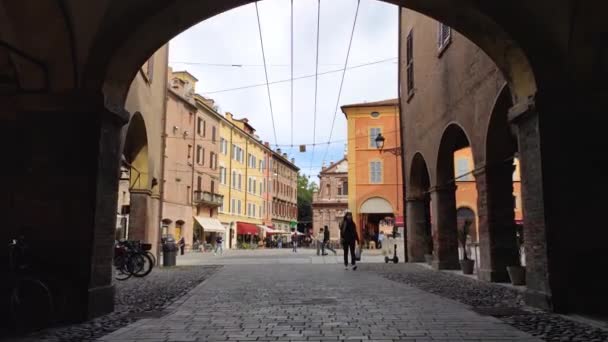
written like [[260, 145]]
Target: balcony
[[207, 198]]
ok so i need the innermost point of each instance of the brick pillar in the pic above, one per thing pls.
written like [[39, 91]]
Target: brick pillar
[[497, 241], [416, 229], [445, 234], [140, 214], [63, 177]]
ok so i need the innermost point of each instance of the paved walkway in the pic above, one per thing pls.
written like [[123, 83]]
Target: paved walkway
[[313, 302], [272, 256]]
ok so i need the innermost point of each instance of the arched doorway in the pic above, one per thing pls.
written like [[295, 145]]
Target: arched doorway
[[443, 197], [136, 162], [418, 212], [498, 244], [375, 215]]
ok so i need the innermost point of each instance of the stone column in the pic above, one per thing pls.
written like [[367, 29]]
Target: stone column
[[139, 215], [416, 229], [526, 121], [445, 234], [495, 208], [64, 170]]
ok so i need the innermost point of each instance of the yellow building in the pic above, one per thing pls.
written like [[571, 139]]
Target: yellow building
[[241, 166]]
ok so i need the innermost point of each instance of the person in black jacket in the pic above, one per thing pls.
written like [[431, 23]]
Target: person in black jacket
[[326, 241], [348, 230]]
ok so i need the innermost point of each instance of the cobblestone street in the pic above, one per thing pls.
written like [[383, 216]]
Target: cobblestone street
[[297, 302]]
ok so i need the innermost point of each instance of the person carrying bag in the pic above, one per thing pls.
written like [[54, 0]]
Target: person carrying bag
[[349, 238]]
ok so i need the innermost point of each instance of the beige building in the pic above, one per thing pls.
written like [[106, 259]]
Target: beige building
[[331, 200], [284, 180], [139, 192], [191, 177]]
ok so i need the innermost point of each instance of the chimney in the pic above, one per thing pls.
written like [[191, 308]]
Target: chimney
[[331, 163], [285, 155], [293, 161], [229, 116], [323, 167], [266, 144], [279, 151]]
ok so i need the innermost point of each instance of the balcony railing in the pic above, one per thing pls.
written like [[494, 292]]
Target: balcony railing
[[208, 198]]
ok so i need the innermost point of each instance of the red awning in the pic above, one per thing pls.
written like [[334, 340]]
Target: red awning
[[399, 221], [246, 228]]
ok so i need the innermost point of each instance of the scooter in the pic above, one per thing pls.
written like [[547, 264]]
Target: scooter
[[394, 259]]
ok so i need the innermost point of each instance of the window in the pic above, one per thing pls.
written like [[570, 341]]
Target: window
[[213, 134], [199, 153], [240, 184], [189, 151], [221, 207], [375, 114], [444, 36], [212, 187], [375, 172], [188, 194], [199, 183], [212, 160], [328, 190], [234, 180], [249, 187], [239, 208], [199, 126], [373, 133], [409, 59], [233, 206], [204, 128], [222, 175], [254, 186], [345, 188], [462, 168]]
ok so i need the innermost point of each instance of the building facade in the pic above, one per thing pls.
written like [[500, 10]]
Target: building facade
[[139, 192], [242, 163], [284, 190], [375, 186], [330, 201], [191, 178]]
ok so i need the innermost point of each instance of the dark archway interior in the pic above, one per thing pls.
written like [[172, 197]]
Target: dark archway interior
[[420, 210]]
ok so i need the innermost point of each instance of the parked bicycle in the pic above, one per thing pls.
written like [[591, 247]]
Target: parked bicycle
[[132, 258], [31, 305]]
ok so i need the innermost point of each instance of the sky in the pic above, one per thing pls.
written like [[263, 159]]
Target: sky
[[210, 49]]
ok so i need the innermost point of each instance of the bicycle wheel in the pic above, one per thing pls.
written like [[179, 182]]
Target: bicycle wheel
[[121, 271], [31, 305], [148, 253], [146, 265]]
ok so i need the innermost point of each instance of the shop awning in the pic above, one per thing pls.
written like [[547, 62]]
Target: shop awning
[[399, 221], [210, 225], [246, 228], [266, 229]]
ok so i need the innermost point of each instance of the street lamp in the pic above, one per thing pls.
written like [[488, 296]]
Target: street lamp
[[380, 145]]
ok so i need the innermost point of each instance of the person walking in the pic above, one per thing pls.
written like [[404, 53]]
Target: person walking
[[319, 242], [349, 235], [219, 245], [380, 240], [294, 241], [182, 245], [326, 245]]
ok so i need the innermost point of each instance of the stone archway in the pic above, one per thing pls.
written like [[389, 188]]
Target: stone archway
[[443, 199], [494, 180], [418, 213]]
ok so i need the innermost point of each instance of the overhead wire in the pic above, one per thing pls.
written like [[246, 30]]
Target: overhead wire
[[314, 127], [333, 71], [331, 131], [292, 76], [257, 12]]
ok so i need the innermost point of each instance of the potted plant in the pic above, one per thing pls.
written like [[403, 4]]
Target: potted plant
[[517, 272], [466, 264]]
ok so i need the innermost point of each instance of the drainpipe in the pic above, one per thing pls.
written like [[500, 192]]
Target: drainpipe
[[163, 146], [400, 114]]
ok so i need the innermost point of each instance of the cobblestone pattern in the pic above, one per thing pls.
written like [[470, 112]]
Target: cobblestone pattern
[[548, 326], [314, 303], [135, 299]]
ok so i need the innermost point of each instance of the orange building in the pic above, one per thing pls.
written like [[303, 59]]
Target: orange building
[[466, 191], [375, 185]]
